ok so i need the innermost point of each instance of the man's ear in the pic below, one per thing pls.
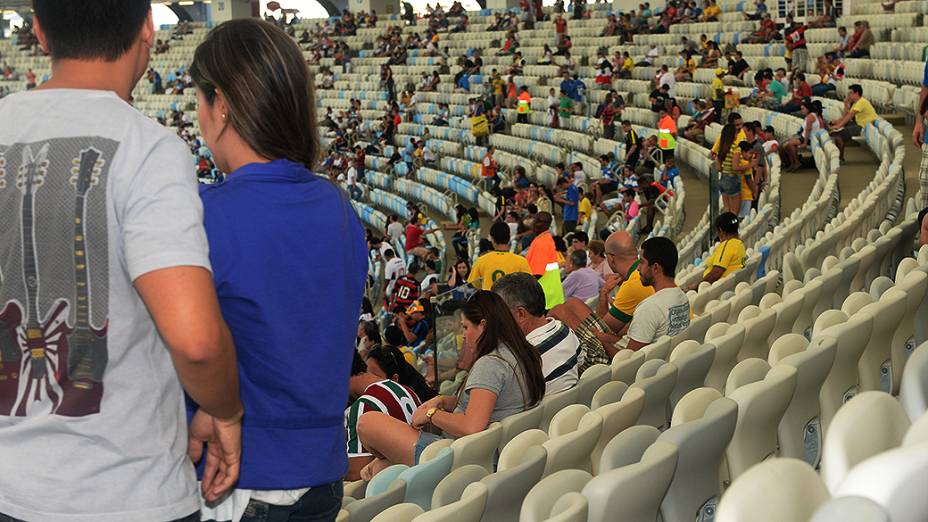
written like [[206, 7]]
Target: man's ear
[[147, 34], [40, 33]]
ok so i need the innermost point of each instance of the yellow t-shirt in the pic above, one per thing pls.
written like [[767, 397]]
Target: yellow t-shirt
[[712, 10], [746, 192], [738, 139], [690, 65], [717, 89], [730, 255], [628, 64], [630, 294], [585, 210], [865, 113], [494, 265]]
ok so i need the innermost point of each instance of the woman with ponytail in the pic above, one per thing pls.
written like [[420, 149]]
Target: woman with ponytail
[[289, 262], [504, 379]]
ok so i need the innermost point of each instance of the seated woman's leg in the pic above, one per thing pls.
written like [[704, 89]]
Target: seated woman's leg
[[388, 438]]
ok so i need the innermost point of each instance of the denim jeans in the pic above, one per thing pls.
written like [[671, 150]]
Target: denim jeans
[[319, 504], [194, 517]]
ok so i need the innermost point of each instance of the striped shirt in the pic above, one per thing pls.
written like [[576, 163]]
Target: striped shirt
[[385, 396], [560, 355]]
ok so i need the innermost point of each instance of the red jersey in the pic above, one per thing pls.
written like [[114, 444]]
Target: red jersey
[[405, 293], [413, 236]]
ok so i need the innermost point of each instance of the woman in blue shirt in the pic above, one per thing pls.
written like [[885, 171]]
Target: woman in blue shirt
[[289, 261]]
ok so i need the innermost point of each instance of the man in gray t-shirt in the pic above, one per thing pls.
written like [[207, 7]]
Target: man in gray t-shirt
[[667, 312], [106, 299]]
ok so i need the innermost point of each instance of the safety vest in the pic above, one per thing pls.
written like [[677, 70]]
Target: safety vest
[[525, 103], [542, 259], [665, 131]]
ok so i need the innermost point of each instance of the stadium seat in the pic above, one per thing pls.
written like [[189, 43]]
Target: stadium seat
[[625, 365], [399, 513], [478, 448], [541, 501], [875, 366], [632, 492], [913, 392], [870, 423], [572, 449], [728, 341], [468, 508], [693, 361], [915, 286], [608, 393], [894, 480], [657, 379], [422, 479], [757, 330], [852, 336], [659, 349], [850, 509], [616, 417], [763, 394], [554, 403], [507, 488], [702, 426], [592, 379], [800, 430], [518, 423], [774, 491]]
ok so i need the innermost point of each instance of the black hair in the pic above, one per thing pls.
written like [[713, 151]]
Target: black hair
[[921, 216], [500, 233], [856, 88], [733, 117], [661, 251], [358, 366], [394, 336], [727, 222], [581, 236], [371, 331], [90, 29], [392, 362]]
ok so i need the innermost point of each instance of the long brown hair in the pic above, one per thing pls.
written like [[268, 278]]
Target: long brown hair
[[726, 140], [267, 87], [501, 328]]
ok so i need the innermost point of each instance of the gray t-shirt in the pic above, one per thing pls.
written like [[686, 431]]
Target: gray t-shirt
[[92, 195], [494, 372]]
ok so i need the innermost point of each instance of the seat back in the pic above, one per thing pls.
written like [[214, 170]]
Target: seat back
[[627, 447], [727, 348], [617, 417], [422, 479], [632, 492], [468, 509], [566, 420], [572, 450], [451, 488], [850, 509], [657, 379], [511, 455], [554, 403], [572, 507], [806, 318], [895, 480], [478, 448], [367, 508], [800, 431], [913, 392], [773, 491], [788, 311], [594, 377], [541, 499], [761, 406], [698, 328], [875, 365], [701, 444], [404, 512], [608, 393], [693, 361], [381, 481], [915, 286], [842, 381], [625, 366], [516, 424], [506, 489], [757, 331], [659, 349], [871, 423]]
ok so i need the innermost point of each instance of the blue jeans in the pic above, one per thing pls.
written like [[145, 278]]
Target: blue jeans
[[319, 504], [195, 517]]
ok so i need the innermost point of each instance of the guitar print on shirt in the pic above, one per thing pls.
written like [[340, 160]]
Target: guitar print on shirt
[[43, 339], [54, 277], [83, 383]]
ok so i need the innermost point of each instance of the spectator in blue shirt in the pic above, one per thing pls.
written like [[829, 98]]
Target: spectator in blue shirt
[[289, 262], [670, 172], [569, 196]]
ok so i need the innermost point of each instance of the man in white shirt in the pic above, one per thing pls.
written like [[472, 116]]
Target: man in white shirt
[[394, 268], [558, 346], [667, 78], [667, 312], [109, 313], [395, 229]]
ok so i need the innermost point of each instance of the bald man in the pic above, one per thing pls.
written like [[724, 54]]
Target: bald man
[[609, 322]]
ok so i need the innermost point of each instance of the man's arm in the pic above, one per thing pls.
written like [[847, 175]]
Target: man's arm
[[182, 301], [634, 345], [843, 120], [714, 275]]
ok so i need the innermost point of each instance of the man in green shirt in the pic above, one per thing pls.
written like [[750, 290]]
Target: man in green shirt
[[565, 105], [777, 89]]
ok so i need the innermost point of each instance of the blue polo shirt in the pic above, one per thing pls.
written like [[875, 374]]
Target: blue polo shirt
[[289, 262], [572, 212]]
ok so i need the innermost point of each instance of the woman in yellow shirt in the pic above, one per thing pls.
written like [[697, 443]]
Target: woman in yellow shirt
[[730, 255], [684, 72]]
